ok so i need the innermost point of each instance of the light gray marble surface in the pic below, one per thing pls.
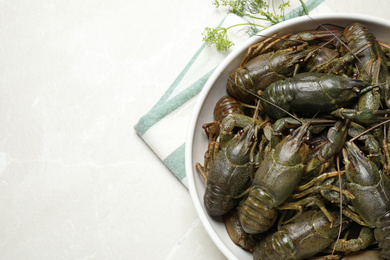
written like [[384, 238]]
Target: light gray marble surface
[[76, 181]]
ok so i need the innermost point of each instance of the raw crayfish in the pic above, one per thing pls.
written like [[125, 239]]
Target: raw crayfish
[[229, 173], [258, 172]]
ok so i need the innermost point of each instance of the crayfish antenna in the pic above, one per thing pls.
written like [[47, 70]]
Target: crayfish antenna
[[369, 129], [341, 204]]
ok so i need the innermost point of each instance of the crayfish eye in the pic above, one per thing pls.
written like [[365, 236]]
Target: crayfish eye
[[306, 139], [294, 48], [241, 132], [253, 138], [356, 90], [300, 60], [355, 76]]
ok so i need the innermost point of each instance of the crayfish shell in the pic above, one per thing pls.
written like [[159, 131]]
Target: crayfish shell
[[256, 213]]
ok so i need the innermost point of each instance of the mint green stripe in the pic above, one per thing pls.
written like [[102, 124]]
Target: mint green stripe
[[159, 110], [313, 4], [179, 78], [162, 109], [310, 5], [176, 161]]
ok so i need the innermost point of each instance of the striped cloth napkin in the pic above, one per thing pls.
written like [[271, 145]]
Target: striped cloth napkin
[[174, 109]]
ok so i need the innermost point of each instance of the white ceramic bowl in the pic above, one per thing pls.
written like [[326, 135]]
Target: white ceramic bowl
[[215, 88]]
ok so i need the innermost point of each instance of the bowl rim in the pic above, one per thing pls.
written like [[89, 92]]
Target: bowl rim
[[209, 84]]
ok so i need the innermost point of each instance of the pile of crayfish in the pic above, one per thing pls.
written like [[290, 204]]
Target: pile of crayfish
[[297, 162]]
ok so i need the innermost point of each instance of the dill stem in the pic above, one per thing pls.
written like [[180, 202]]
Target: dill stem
[[243, 24], [304, 7]]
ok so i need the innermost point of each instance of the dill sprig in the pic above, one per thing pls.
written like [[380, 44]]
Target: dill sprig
[[252, 11]]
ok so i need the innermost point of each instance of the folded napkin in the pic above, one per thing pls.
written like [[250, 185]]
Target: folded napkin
[[174, 109]]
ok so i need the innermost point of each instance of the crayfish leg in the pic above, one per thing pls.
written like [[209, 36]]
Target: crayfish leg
[[201, 170], [209, 156], [212, 130], [366, 116], [261, 47], [306, 202], [306, 36], [355, 217], [365, 239], [317, 180]]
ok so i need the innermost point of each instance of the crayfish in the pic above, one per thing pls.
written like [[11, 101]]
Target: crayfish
[[297, 162]]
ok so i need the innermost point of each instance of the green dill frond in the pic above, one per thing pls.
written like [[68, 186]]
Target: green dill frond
[[251, 9], [255, 6], [216, 3], [282, 6], [217, 37]]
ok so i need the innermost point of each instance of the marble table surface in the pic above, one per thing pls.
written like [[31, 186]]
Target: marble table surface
[[76, 181]]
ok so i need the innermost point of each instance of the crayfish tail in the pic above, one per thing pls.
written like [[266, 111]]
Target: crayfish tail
[[256, 213]]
